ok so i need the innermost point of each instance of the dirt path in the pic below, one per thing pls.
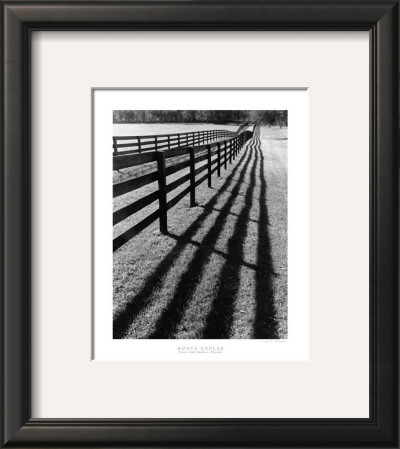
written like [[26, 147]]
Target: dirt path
[[222, 270]]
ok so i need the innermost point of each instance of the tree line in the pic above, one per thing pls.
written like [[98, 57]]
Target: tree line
[[270, 118]]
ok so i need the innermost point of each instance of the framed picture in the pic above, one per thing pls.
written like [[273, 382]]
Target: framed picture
[[222, 221], [200, 224]]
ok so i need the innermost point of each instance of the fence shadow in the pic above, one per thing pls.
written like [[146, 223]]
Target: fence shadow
[[265, 324], [137, 303], [173, 313], [219, 320]]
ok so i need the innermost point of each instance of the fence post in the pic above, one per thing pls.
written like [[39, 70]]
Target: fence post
[[162, 190], [156, 144], [139, 145], [219, 159], [115, 145], [230, 151], [226, 155], [169, 143], [179, 140], [192, 178], [209, 164]]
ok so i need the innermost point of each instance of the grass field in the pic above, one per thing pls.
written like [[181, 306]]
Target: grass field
[[146, 129], [221, 272]]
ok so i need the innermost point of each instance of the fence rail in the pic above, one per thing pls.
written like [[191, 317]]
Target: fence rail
[[139, 144], [216, 155]]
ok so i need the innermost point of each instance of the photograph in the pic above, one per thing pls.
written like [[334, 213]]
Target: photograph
[[200, 224]]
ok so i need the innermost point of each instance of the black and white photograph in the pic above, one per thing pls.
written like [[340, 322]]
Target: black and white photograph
[[200, 224]]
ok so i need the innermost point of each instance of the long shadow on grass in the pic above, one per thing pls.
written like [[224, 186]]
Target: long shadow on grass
[[219, 322], [265, 325], [137, 303], [233, 214], [166, 325], [220, 318]]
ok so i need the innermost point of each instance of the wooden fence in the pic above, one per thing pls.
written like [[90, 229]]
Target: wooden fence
[[217, 156], [139, 144]]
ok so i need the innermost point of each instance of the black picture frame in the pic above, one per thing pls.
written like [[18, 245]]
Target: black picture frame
[[19, 19]]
